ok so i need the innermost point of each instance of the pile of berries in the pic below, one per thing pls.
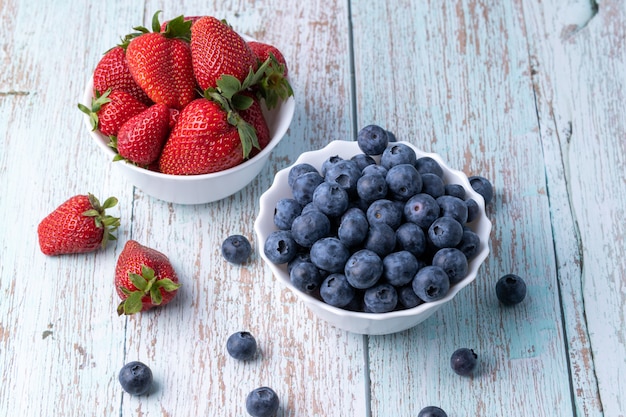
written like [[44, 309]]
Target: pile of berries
[[378, 232]]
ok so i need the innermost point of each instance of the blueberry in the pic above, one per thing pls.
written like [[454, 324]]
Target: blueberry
[[306, 277], [464, 361], [433, 185], [411, 237], [431, 283], [381, 239], [363, 269], [407, 297], [428, 165], [381, 298], [453, 261], [432, 411], [375, 169], [300, 257], [329, 254], [336, 291], [372, 140], [280, 247], [399, 268], [262, 402], [421, 209], [298, 170], [396, 154], [470, 243], [241, 345], [353, 227], [135, 378], [453, 207], [310, 227], [473, 210], [403, 181], [362, 160], [511, 289], [236, 249], [445, 232], [371, 187], [345, 173], [304, 186], [329, 162], [391, 136], [483, 187], [285, 211], [384, 211], [331, 199], [455, 190]]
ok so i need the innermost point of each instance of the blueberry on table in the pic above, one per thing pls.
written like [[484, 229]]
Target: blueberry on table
[[135, 378], [236, 249], [372, 140], [464, 361], [241, 345], [511, 289], [432, 411], [262, 402], [483, 187]]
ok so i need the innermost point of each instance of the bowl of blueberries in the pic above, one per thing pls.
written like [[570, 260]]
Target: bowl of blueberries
[[374, 235]]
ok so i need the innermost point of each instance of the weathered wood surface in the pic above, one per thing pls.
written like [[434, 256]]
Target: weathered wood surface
[[527, 93]]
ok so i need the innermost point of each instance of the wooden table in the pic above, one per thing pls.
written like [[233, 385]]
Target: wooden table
[[529, 94]]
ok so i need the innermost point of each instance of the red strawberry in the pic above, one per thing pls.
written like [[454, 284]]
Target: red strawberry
[[192, 19], [112, 72], [144, 278], [263, 51], [218, 50], [161, 62], [111, 110], [79, 225], [141, 138], [254, 116]]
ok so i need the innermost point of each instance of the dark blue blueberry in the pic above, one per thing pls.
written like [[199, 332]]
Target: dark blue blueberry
[[280, 247], [445, 232], [470, 243], [362, 160], [453, 261], [381, 238], [353, 227], [391, 136], [375, 169], [329, 254], [431, 283], [433, 185], [455, 190], [303, 256], [421, 209], [331, 199], [241, 346], [399, 268], [511, 289], [262, 402], [483, 187], [464, 361], [336, 291], [329, 162], [411, 237], [403, 181], [396, 154], [285, 211], [306, 277], [309, 207], [473, 210], [236, 249], [407, 297], [345, 173], [297, 170], [310, 227], [372, 140], [384, 211], [304, 186], [363, 269], [453, 207], [427, 165], [381, 298], [135, 378], [371, 187], [432, 411]]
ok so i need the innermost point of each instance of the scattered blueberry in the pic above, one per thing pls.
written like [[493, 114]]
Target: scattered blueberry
[[262, 402], [372, 140], [432, 411], [483, 187], [280, 247], [285, 211], [306, 277], [236, 249], [464, 361], [381, 298], [336, 291], [431, 283], [363, 269], [135, 378], [241, 345], [511, 289]]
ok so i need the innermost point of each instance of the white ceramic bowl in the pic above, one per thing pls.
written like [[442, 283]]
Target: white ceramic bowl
[[360, 322], [198, 189]]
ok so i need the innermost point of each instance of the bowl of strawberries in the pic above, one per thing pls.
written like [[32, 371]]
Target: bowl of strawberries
[[190, 110]]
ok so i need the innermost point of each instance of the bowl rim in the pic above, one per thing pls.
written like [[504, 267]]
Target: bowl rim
[[279, 270]]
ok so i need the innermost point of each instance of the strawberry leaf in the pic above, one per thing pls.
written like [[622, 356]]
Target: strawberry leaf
[[155, 296], [228, 86], [178, 28], [167, 284], [242, 102], [138, 281], [131, 305]]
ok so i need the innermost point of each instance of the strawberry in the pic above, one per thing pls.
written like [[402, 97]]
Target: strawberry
[[192, 19], [144, 278], [160, 62], [112, 72], [141, 138], [263, 50], [218, 50], [254, 116], [111, 110], [79, 225]]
